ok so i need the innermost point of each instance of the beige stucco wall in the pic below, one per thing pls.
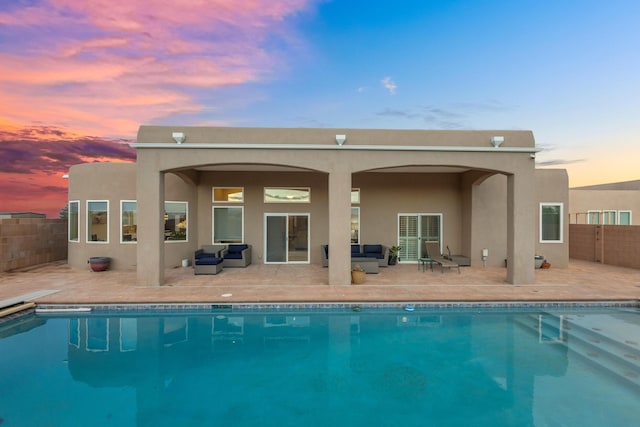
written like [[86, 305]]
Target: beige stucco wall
[[116, 182], [486, 199], [552, 186], [582, 201]]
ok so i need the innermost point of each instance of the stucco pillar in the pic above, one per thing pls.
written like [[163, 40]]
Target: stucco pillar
[[340, 227], [521, 216], [150, 212]]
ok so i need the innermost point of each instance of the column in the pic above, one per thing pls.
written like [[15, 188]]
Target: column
[[150, 206], [521, 216], [340, 227]]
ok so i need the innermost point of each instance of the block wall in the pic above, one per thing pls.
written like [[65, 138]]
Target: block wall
[[609, 244], [25, 242]]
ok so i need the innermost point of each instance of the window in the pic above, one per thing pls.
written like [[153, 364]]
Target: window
[[593, 217], [609, 217], [228, 195], [175, 221], [97, 334], [287, 195], [624, 217], [355, 225], [128, 221], [74, 221], [228, 224], [355, 195], [98, 221], [551, 222]]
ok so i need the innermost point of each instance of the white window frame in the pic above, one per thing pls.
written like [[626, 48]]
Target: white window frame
[[630, 217], [186, 213], [127, 242], [355, 194], [88, 240], [608, 215], [77, 203], [213, 193], [213, 222], [292, 201], [594, 212], [357, 208], [561, 216]]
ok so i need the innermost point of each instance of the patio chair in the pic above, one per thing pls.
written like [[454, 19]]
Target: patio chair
[[433, 252]]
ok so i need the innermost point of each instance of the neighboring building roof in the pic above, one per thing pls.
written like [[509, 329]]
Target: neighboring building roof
[[22, 215], [625, 185]]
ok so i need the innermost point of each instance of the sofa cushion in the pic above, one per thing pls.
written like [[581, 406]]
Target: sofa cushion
[[236, 249], [378, 255], [372, 249], [355, 250], [211, 260], [233, 255]]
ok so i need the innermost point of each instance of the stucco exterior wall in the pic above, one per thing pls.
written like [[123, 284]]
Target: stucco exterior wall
[[115, 182], [552, 186], [582, 201], [485, 194], [25, 242]]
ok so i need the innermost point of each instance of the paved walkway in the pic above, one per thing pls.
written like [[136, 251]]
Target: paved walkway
[[581, 281]]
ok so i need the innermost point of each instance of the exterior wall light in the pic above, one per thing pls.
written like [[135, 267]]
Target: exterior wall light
[[340, 139], [178, 137], [496, 141]]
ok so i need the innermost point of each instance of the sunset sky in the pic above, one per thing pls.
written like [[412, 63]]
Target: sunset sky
[[77, 77]]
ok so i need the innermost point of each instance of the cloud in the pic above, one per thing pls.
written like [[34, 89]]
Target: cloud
[[102, 67], [34, 158], [559, 162], [431, 117], [389, 84], [52, 151]]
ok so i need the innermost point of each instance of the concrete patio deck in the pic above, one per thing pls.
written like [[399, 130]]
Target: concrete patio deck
[[581, 281]]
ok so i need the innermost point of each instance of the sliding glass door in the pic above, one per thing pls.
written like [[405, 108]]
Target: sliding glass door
[[414, 230], [286, 238]]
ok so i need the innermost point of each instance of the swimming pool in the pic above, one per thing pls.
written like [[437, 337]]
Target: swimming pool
[[477, 367]]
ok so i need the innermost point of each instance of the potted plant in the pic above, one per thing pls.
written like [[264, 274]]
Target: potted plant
[[394, 251]]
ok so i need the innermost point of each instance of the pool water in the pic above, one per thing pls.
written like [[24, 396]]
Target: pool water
[[334, 368]]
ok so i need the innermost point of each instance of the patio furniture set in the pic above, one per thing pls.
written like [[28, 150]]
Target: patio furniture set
[[211, 259]]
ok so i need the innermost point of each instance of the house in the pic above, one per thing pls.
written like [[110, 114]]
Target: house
[[614, 203], [287, 192]]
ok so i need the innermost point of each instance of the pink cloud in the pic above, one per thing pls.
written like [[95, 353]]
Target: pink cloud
[[33, 160], [78, 62], [77, 75]]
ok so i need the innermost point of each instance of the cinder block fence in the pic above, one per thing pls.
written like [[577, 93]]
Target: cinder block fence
[[31, 241], [608, 244]]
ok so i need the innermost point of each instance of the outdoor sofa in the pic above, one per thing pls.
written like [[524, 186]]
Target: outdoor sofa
[[364, 255]]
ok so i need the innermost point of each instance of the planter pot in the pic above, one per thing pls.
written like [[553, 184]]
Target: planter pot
[[99, 263], [539, 259], [357, 277], [393, 260]]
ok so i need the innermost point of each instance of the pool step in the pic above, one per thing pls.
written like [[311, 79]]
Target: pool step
[[615, 354], [16, 308]]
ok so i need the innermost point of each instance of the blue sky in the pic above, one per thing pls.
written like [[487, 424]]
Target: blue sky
[[77, 73]]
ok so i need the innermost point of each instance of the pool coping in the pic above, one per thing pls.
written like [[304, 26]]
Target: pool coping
[[243, 306]]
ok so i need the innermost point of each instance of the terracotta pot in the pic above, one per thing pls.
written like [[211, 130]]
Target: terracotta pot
[[99, 263]]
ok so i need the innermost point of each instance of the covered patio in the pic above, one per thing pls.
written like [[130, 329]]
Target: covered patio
[[259, 283]]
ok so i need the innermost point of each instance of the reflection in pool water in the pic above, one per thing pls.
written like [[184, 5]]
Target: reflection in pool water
[[427, 367]]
